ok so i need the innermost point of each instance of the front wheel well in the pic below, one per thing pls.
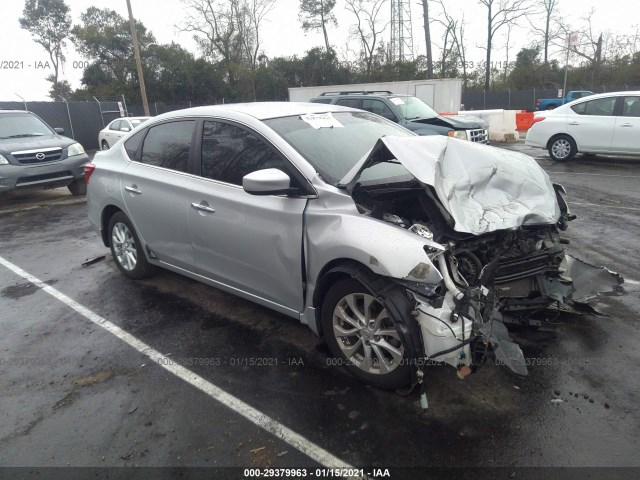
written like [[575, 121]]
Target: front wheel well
[[330, 274], [108, 212]]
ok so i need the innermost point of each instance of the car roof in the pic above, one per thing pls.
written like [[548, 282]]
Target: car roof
[[16, 111], [257, 110]]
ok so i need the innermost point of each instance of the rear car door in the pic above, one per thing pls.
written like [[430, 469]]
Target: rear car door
[[626, 137], [592, 123], [247, 242], [155, 188]]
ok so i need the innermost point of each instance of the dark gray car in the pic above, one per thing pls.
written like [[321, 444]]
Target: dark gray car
[[32, 154], [410, 112]]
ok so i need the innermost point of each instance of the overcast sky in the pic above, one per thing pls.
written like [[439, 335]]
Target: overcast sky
[[281, 32]]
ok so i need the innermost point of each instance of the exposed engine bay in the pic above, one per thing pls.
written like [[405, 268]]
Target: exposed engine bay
[[498, 219]]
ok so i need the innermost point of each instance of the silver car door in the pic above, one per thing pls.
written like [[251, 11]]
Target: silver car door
[[156, 192], [247, 242]]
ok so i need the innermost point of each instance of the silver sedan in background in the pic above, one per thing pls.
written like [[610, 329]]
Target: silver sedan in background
[[118, 129], [397, 249]]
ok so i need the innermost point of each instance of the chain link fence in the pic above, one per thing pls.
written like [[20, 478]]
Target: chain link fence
[[524, 99], [82, 121]]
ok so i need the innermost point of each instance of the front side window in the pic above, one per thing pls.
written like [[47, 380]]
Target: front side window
[[230, 152], [378, 107], [115, 125], [600, 107], [631, 107], [167, 145]]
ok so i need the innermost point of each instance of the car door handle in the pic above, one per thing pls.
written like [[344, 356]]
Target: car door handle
[[574, 123], [627, 125], [133, 189], [203, 208]]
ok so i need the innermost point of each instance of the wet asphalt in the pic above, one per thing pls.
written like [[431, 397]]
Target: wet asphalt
[[72, 394]]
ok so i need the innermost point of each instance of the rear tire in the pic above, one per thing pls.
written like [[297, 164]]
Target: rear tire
[[362, 337], [126, 248], [78, 187], [562, 148]]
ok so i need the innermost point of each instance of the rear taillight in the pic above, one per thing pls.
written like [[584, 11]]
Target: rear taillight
[[88, 170], [536, 120], [538, 102]]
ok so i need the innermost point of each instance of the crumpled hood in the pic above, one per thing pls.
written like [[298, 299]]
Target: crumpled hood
[[483, 188]]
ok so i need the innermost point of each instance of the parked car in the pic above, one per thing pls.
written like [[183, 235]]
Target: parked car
[[607, 123], [410, 112], [118, 129], [32, 154], [343, 220], [551, 103]]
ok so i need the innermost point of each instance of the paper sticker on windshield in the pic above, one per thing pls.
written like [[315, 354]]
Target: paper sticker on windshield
[[321, 120], [397, 101]]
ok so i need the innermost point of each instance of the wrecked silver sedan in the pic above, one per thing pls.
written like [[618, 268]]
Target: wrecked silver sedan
[[397, 249]]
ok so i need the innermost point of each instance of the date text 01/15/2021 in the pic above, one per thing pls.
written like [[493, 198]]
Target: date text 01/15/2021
[[358, 473], [233, 361]]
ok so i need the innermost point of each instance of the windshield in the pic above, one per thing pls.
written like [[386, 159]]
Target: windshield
[[333, 151], [412, 108], [22, 125]]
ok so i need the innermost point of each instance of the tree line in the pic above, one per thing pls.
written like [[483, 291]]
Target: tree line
[[233, 66]]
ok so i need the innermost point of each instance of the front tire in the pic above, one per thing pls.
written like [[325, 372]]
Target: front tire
[[78, 187], [562, 148], [104, 145], [126, 248], [362, 337]]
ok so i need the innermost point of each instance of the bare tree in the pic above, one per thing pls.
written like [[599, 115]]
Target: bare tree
[[368, 27], [250, 14], [455, 29], [499, 14], [547, 30], [588, 45], [49, 22], [427, 36], [316, 15], [214, 25]]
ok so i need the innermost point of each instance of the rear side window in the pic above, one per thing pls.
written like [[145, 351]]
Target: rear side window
[[600, 107], [168, 145], [131, 145], [631, 107], [321, 100], [230, 152]]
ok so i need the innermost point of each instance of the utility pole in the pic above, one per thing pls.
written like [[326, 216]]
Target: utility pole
[[136, 51], [571, 38]]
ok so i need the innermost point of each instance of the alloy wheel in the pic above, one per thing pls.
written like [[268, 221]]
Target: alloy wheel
[[124, 246], [366, 335]]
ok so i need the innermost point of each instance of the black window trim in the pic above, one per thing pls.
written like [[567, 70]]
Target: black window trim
[[309, 192]]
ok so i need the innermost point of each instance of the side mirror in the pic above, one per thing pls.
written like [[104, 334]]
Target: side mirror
[[269, 181], [59, 131], [125, 129]]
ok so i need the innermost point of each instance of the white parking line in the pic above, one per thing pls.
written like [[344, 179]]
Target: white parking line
[[256, 417], [600, 205]]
